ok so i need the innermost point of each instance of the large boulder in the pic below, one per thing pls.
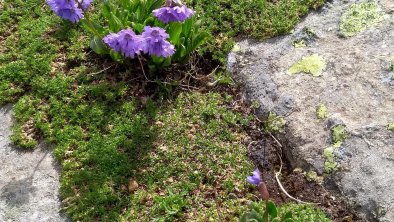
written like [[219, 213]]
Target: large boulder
[[332, 80]]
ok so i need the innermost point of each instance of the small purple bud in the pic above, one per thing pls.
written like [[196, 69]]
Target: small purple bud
[[255, 179]]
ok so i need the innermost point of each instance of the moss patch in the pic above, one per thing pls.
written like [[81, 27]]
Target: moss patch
[[197, 153], [360, 17], [313, 64], [321, 112]]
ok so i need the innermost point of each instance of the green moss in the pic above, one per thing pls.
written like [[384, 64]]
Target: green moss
[[321, 112], [391, 127], [275, 123], [227, 19], [360, 17], [198, 145], [313, 64]]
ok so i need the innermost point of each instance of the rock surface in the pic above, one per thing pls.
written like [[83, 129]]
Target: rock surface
[[29, 180], [357, 88]]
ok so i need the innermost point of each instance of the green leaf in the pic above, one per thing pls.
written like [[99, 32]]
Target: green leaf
[[271, 209], [92, 28], [198, 41], [179, 53], [252, 216], [106, 10], [137, 27], [157, 60], [187, 27], [115, 24], [175, 30], [167, 62], [149, 21], [288, 215], [98, 46], [116, 56]]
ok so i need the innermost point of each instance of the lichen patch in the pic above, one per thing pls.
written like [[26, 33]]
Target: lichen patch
[[360, 17], [313, 64], [321, 112], [391, 127]]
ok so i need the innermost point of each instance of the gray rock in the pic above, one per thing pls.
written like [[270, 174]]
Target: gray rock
[[29, 180], [367, 177], [356, 89]]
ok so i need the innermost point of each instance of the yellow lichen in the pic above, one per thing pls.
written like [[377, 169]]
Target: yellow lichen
[[312, 176], [298, 43], [359, 17], [391, 127], [275, 123], [313, 64], [321, 112], [338, 134], [330, 165]]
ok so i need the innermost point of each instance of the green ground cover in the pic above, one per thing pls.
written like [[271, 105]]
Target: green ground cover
[[125, 158], [228, 19]]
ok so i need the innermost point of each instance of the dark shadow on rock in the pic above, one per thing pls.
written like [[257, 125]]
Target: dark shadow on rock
[[17, 192]]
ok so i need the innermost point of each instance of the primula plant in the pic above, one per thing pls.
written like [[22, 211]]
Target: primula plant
[[161, 32]]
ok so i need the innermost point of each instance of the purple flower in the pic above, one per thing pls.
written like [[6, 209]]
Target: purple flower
[[85, 3], [67, 9], [156, 43], [173, 14], [130, 43], [165, 14], [112, 41], [183, 12], [255, 179]]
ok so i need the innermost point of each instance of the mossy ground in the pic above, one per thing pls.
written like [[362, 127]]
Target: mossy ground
[[262, 19], [297, 213], [184, 150]]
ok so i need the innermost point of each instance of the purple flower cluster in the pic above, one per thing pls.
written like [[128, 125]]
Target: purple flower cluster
[[173, 13], [153, 41], [71, 10], [156, 42]]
